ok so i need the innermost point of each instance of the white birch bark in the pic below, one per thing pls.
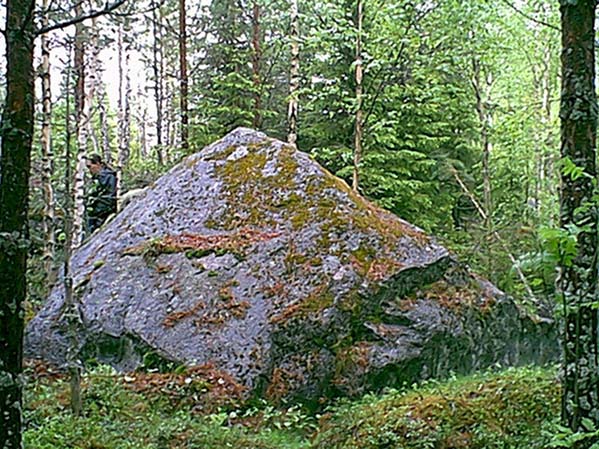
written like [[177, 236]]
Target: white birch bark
[[294, 76], [124, 112], [49, 251], [81, 117], [359, 112]]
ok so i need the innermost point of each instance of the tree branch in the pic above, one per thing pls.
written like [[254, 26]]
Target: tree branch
[[528, 17], [109, 7], [413, 22], [142, 12], [484, 215]]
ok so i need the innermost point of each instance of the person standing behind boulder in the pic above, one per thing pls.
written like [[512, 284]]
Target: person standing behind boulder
[[101, 198]]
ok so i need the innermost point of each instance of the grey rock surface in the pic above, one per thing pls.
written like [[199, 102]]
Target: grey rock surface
[[250, 256]]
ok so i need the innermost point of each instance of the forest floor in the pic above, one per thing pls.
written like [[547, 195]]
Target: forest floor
[[513, 408]]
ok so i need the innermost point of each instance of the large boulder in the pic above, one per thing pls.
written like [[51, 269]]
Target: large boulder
[[250, 256]]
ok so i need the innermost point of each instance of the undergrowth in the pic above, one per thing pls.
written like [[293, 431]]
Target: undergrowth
[[515, 408]]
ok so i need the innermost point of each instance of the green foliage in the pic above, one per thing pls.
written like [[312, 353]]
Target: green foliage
[[117, 417], [485, 411], [512, 409], [564, 437]]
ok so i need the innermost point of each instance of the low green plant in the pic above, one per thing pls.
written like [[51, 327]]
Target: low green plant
[[506, 410], [512, 409]]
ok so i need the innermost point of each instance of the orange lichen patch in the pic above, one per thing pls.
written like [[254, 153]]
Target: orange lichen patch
[[358, 354], [160, 268], [281, 383], [376, 269], [348, 362], [320, 298], [174, 317], [199, 245], [278, 289], [456, 298], [226, 309], [407, 304], [382, 269], [278, 387], [205, 386]]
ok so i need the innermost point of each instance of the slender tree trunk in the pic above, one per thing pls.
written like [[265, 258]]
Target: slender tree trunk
[[103, 144], [183, 76], [294, 75], [126, 153], [577, 281], [548, 138], [256, 62], [359, 112], [170, 118], [81, 117], [545, 179], [142, 117], [124, 110], [482, 89], [105, 135], [485, 117], [15, 161], [92, 79], [120, 113], [158, 79], [49, 250], [72, 309]]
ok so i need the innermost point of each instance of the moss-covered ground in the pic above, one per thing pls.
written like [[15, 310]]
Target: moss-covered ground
[[515, 408]]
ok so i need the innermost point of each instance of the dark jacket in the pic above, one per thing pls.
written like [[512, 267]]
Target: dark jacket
[[101, 199]]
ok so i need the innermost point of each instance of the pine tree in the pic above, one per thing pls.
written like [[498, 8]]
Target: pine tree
[[17, 133]]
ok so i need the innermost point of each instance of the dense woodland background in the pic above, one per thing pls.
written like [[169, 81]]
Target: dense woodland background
[[458, 101], [445, 113]]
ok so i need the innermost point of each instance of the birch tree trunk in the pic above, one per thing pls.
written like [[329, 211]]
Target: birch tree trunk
[[49, 251], [577, 280], [124, 107], [142, 117], [120, 113], [81, 117], [92, 81], [103, 145], [158, 78], [15, 163], [126, 153], [359, 112], [183, 76], [294, 76], [256, 62]]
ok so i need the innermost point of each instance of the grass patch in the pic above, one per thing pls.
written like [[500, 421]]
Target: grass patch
[[506, 410], [121, 416], [511, 409]]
